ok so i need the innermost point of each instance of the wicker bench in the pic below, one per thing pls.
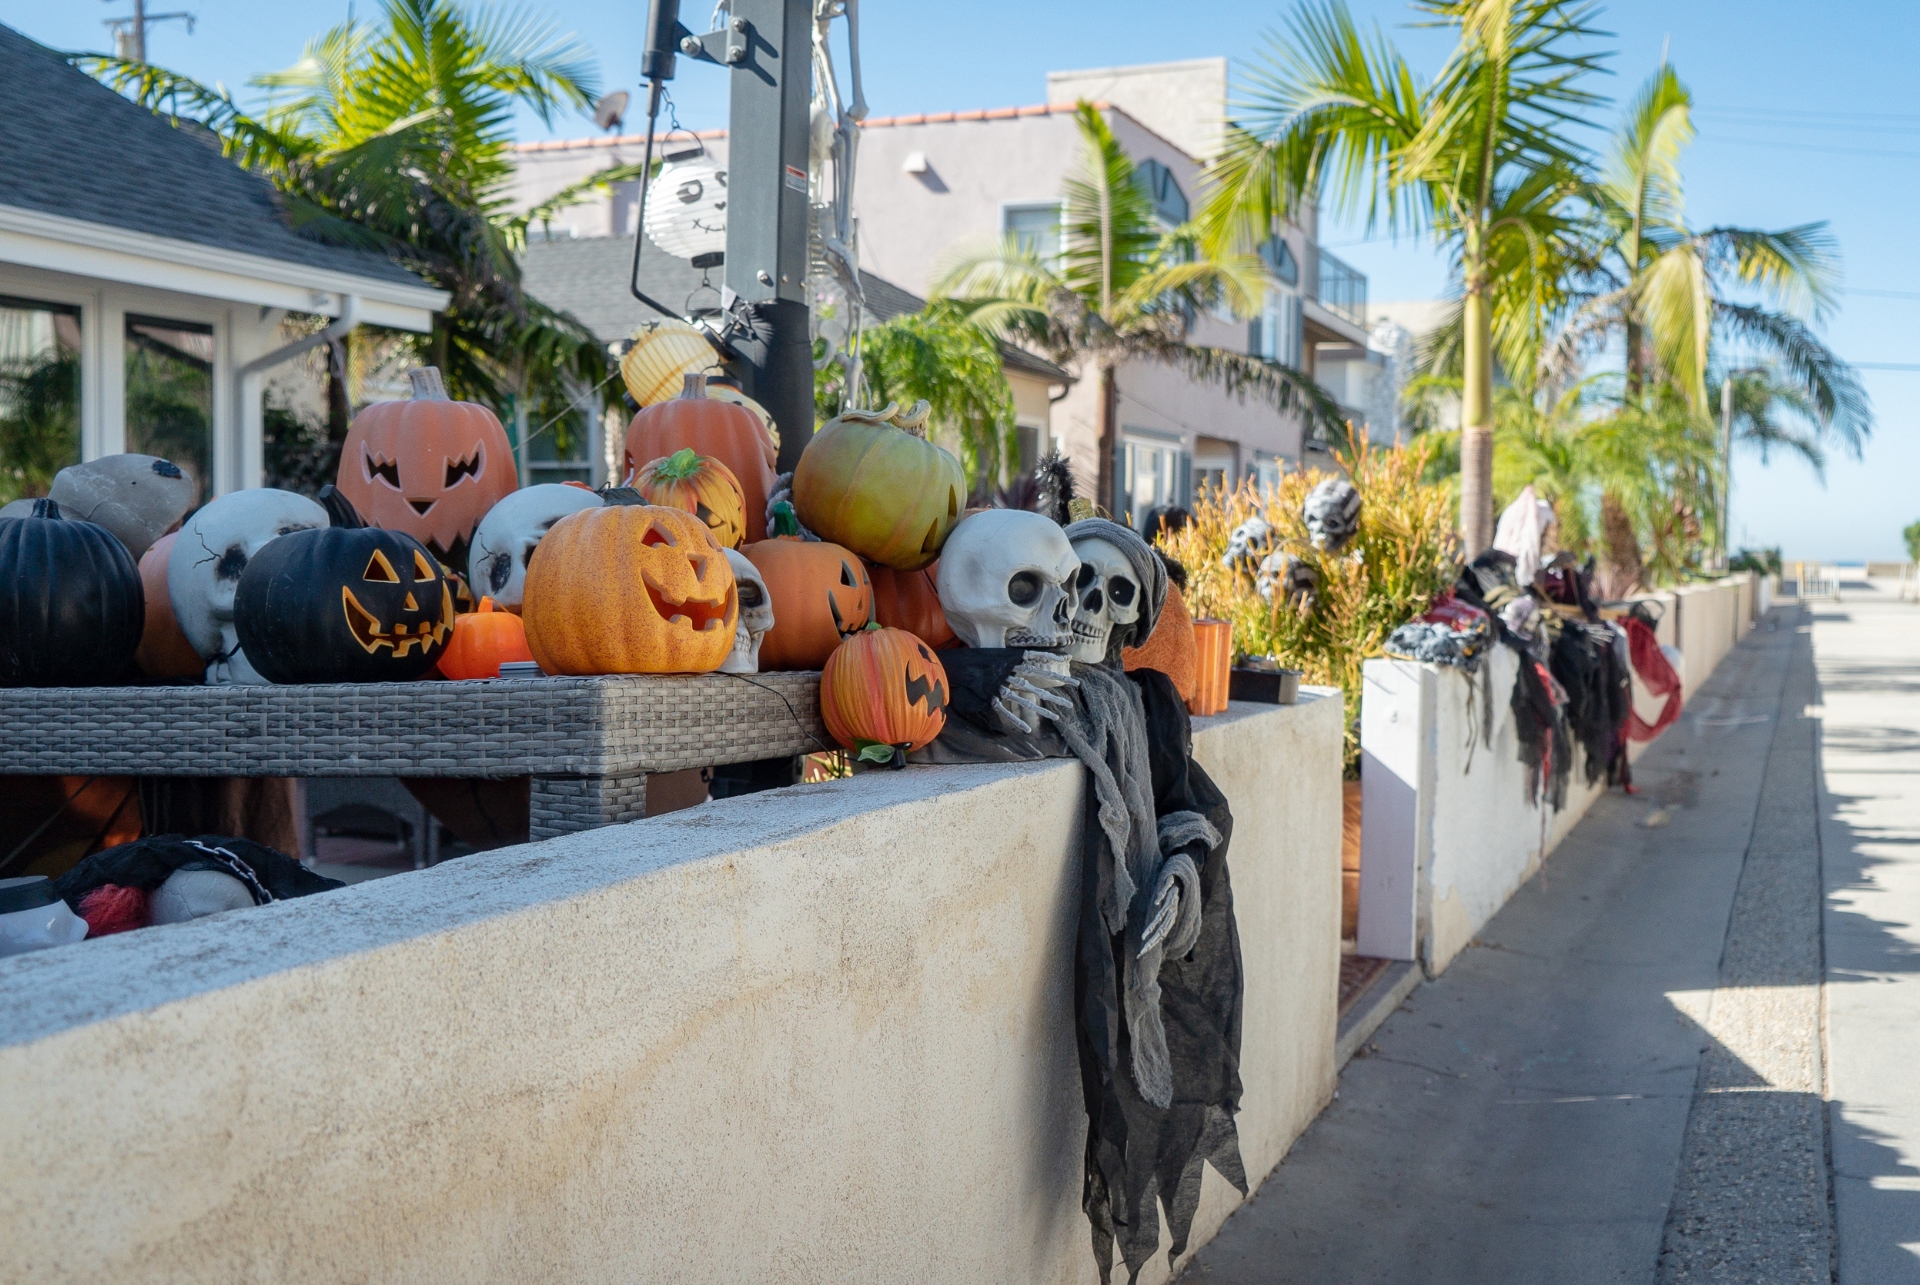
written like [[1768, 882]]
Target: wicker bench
[[587, 743]]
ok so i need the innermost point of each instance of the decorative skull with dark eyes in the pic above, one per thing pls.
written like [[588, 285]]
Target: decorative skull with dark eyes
[[204, 566], [1107, 602], [1006, 579], [756, 615], [1332, 514], [511, 531]]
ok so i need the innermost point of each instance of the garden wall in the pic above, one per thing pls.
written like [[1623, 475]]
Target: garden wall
[[1447, 834], [823, 1033]]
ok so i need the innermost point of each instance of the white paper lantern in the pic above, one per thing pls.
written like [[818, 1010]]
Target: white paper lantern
[[687, 206]]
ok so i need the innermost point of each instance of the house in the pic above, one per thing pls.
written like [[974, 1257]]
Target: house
[[143, 282]]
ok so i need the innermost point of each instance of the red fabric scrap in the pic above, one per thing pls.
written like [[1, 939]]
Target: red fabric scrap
[[113, 908], [1450, 611], [1650, 664]]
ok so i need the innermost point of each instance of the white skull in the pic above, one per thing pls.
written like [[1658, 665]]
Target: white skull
[[508, 535], [756, 615], [204, 569], [1248, 543], [1005, 580], [194, 894], [1108, 596]]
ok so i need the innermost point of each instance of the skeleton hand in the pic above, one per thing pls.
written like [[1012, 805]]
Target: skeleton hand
[[1166, 912], [1173, 919], [1029, 694]]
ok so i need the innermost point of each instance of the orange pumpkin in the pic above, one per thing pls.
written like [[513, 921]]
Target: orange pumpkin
[[630, 589], [910, 600], [821, 595], [700, 485], [1169, 648], [723, 430], [429, 467], [164, 651], [883, 693], [483, 641]]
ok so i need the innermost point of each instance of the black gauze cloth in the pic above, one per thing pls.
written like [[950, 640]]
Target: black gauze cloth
[[146, 864]]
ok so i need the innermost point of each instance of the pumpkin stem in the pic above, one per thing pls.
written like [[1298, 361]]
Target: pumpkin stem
[[340, 510], [881, 416], [915, 420], [427, 385], [695, 384], [44, 508], [679, 466], [486, 604], [784, 521]]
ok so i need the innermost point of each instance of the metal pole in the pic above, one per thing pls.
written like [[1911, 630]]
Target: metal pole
[[767, 212], [1726, 465], [139, 30]]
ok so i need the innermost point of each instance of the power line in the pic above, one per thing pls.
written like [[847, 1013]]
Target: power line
[[1813, 147], [1884, 294], [1885, 365]]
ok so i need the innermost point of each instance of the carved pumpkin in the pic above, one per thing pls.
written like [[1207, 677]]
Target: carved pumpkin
[[821, 595], [700, 485], [347, 603], [71, 605], [910, 600], [164, 651], [729, 433], [483, 641], [429, 467], [723, 389], [630, 589], [660, 355], [883, 693], [1169, 648], [872, 481]]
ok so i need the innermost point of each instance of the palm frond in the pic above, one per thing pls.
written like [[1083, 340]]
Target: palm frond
[[1831, 386]]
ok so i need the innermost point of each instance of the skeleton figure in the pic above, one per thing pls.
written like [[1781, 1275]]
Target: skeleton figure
[[508, 535], [1296, 581], [1248, 544], [756, 615], [1332, 514], [204, 569], [1005, 577], [1109, 596]]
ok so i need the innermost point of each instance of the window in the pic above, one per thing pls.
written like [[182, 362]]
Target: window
[[39, 394], [1169, 202], [1214, 474], [559, 443], [1275, 333], [1035, 229], [1151, 476], [170, 396], [1266, 472], [1279, 259]]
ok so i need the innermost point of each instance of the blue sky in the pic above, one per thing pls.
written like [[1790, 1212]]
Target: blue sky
[[1802, 116]]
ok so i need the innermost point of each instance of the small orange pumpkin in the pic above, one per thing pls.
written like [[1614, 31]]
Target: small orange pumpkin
[[1169, 648], [483, 641], [630, 589], [910, 600], [730, 433], [164, 651], [821, 595], [883, 693], [700, 485]]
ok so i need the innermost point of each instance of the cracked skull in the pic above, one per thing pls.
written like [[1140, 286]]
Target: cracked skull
[[1107, 600], [756, 615], [511, 531], [204, 566], [1006, 580]]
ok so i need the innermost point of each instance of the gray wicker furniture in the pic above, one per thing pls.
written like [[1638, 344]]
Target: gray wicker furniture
[[587, 743]]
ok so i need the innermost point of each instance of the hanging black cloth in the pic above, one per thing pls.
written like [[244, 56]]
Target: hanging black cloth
[[146, 864]]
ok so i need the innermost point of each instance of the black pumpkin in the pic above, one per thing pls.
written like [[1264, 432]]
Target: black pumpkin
[[71, 605], [347, 604]]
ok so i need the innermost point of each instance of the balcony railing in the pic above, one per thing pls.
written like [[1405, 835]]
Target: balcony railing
[[1342, 288]]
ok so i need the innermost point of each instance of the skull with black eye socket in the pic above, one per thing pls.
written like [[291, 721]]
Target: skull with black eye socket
[[1006, 580], [1107, 602]]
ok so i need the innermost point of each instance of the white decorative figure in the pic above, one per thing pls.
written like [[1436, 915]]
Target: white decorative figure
[[194, 894], [508, 535], [137, 497], [204, 569], [756, 615], [1006, 577], [1108, 597]]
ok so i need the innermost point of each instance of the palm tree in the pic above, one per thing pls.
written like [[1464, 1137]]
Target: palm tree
[[1123, 289], [1479, 158], [395, 136]]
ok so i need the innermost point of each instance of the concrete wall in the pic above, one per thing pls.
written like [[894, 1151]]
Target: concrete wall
[[819, 1034], [1447, 834]]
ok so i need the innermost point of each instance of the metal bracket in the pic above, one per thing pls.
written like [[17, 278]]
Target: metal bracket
[[727, 47]]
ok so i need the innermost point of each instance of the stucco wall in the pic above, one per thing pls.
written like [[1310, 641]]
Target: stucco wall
[[819, 1034], [1447, 834]]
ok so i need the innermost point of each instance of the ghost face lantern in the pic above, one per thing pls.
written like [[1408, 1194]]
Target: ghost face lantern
[[1108, 599], [1006, 580], [1247, 544], [204, 566], [508, 535], [756, 615], [1332, 514]]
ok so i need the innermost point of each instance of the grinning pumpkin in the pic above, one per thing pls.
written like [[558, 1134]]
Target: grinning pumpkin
[[630, 589], [660, 355], [729, 433], [820, 593], [910, 600], [482, 641], [1169, 648], [346, 603], [164, 651], [700, 485], [883, 693], [872, 481], [429, 467], [71, 605]]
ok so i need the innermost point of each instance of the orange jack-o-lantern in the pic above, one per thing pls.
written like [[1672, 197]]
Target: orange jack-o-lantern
[[910, 600], [429, 467], [630, 589], [820, 593], [483, 640], [730, 433], [700, 485], [883, 693]]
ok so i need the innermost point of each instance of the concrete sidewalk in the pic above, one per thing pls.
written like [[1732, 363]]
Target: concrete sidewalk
[[1623, 1079]]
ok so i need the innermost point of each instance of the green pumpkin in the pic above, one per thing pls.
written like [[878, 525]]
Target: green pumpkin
[[871, 482]]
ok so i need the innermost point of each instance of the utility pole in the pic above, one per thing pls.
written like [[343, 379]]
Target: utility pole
[[1726, 466], [130, 34]]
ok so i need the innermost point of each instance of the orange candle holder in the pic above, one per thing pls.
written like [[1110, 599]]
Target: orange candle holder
[[1213, 665]]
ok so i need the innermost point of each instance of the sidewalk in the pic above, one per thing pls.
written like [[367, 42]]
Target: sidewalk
[[1623, 1079]]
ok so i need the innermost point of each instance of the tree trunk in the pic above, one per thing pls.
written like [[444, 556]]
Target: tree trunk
[[339, 404], [1636, 360], [1622, 569], [1476, 422], [1105, 482]]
